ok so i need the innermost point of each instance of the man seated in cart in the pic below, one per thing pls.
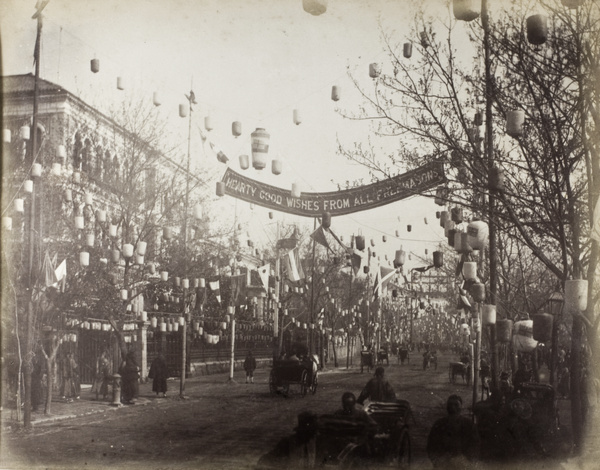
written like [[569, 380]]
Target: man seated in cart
[[351, 412], [377, 389]]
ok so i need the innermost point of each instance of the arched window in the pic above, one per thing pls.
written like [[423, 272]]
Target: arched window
[[86, 157]]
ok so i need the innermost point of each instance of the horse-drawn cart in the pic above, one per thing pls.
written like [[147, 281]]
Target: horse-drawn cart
[[286, 372]]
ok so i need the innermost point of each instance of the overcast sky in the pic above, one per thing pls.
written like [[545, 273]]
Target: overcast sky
[[252, 61]]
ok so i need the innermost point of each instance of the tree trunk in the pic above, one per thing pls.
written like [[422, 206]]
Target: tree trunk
[[576, 409], [335, 361], [50, 383]]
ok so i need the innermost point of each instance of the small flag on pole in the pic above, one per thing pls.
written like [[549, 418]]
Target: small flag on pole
[[263, 272], [293, 266]]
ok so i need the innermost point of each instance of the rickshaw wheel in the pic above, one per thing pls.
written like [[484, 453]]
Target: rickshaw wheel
[[314, 384], [404, 451], [304, 383]]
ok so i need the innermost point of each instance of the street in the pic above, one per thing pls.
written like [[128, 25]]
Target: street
[[220, 425]]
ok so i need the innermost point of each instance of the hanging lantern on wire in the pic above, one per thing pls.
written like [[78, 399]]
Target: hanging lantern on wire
[[374, 70], [514, 123], [297, 117], [236, 128], [156, 98], [244, 162], [183, 110], [95, 65], [207, 124], [537, 29], [260, 148], [120, 83], [466, 10], [497, 178], [407, 50], [314, 7], [276, 166], [335, 92]]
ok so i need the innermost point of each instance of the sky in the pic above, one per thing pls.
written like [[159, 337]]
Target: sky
[[252, 61]]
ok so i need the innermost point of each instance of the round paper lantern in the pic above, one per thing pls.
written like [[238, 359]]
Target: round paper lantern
[[438, 259], [407, 50], [95, 65], [84, 258], [276, 166], [537, 29], [326, 220], [236, 128], [260, 147], [542, 327], [6, 136], [335, 93], [297, 117], [220, 188], [477, 234], [244, 162], [183, 110], [374, 70], [514, 123], [466, 10], [127, 250], [576, 294], [120, 83], [504, 330], [488, 314], [315, 7], [469, 270]]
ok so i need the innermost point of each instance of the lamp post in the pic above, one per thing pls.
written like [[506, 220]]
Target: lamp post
[[555, 304]]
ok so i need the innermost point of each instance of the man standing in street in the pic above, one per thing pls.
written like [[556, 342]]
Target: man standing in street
[[377, 389]]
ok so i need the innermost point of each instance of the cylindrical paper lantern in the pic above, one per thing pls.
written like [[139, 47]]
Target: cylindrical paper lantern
[[7, 223], [167, 233], [6, 136], [244, 162], [260, 147], [504, 331], [124, 294], [56, 169], [139, 259], [156, 98], [444, 217], [164, 276], [120, 83], [537, 29], [115, 255], [438, 259], [326, 220], [296, 191], [488, 314], [95, 65], [79, 222], [25, 132], [496, 178], [400, 258], [28, 186], [297, 117], [141, 248], [220, 188], [457, 214], [84, 258], [514, 123], [20, 205], [461, 243], [360, 242], [112, 230], [469, 269], [335, 92], [202, 283], [276, 166], [36, 170], [153, 322], [183, 110], [127, 250], [374, 70], [89, 239], [407, 50], [236, 128], [101, 215], [576, 293]]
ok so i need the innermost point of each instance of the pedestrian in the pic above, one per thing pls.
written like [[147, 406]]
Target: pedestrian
[[377, 389], [103, 375], [453, 441], [129, 378], [38, 390], [295, 451], [159, 373], [69, 376], [249, 366]]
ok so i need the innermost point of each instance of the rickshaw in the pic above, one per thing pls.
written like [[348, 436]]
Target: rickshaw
[[286, 372], [350, 444], [367, 359]]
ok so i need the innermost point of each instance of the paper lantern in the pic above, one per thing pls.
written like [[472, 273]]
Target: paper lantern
[[141, 248], [56, 169], [360, 242], [488, 314], [464, 329], [139, 259], [84, 258], [89, 199], [457, 214], [7, 223], [183, 110], [163, 326], [276, 166], [335, 92], [444, 217], [466, 10], [366, 269], [572, 3], [112, 230], [296, 191], [523, 343], [79, 222], [101, 215], [576, 294], [28, 186], [326, 220], [156, 98], [153, 322], [220, 188], [260, 147], [167, 233], [409, 228], [95, 65], [36, 170], [185, 283], [399, 258], [89, 239], [374, 70], [244, 162], [177, 281], [202, 283], [469, 270], [477, 234], [438, 259], [514, 123], [542, 327], [25, 132], [124, 294], [315, 7], [236, 128], [461, 243], [407, 50], [6, 136], [151, 268], [537, 29], [497, 178], [120, 83], [207, 123], [164, 276], [477, 291], [115, 256], [127, 250], [76, 177], [297, 117]]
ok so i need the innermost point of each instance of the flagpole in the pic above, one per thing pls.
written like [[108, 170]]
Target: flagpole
[[276, 329], [312, 292]]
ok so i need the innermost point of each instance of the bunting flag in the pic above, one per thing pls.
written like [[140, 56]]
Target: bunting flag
[[220, 154], [264, 272], [214, 286], [293, 266], [595, 233], [319, 236], [355, 260], [382, 278], [61, 276], [48, 271], [238, 289]]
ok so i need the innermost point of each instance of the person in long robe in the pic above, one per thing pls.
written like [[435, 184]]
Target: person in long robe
[[103, 375], [159, 373]]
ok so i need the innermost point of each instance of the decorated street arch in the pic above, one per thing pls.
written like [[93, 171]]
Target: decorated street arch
[[337, 203]]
